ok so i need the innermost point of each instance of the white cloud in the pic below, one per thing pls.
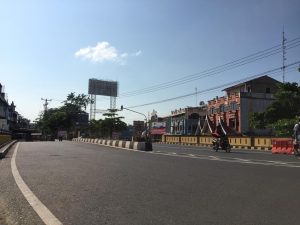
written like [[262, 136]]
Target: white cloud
[[124, 55], [139, 52], [102, 52]]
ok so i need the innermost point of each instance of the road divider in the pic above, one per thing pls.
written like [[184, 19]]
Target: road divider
[[240, 142], [135, 145], [283, 146], [4, 148]]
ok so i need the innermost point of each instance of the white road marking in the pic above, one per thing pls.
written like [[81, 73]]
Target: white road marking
[[221, 159], [233, 160], [44, 213], [213, 157], [207, 148], [244, 160]]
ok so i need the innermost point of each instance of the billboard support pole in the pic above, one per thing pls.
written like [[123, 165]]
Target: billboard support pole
[[113, 101], [93, 107], [102, 87]]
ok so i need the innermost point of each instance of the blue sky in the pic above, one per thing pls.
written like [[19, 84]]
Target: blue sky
[[51, 48]]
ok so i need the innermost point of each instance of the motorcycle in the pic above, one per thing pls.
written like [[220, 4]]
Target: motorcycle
[[221, 143]]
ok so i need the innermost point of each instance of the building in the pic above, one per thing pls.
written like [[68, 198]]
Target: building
[[10, 120], [157, 126], [3, 111], [232, 110], [185, 121], [12, 117]]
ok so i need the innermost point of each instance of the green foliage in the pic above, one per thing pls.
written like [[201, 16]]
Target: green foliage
[[112, 123], [62, 118], [77, 103], [104, 127], [281, 114], [55, 119], [287, 104], [257, 120], [96, 128], [283, 127]]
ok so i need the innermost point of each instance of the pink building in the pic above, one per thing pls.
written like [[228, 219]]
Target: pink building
[[232, 110]]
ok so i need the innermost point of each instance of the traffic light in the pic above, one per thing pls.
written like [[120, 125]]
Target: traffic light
[[121, 107]]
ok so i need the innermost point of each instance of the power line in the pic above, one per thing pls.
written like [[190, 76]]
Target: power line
[[216, 70], [273, 71], [213, 72]]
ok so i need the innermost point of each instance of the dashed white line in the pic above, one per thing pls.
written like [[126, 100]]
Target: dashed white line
[[243, 160], [213, 157], [44, 213]]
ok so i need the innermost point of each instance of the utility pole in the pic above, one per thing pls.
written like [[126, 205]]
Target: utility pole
[[196, 96], [46, 103], [283, 55]]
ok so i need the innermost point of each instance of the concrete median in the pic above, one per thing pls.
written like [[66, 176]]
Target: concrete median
[[141, 146], [4, 148]]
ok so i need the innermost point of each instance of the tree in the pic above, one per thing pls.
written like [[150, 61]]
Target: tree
[[112, 123], [63, 118], [282, 113], [77, 103], [286, 105], [257, 120], [96, 128], [283, 127]]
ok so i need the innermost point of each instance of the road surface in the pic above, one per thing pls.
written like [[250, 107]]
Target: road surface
[[80, 183]]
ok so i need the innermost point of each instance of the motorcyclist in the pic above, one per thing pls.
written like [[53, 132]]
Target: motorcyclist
[[219, 133], [296, 137]]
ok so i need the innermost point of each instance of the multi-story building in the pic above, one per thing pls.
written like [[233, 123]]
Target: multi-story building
[[157, 126], [185, 121], [3, 111], [9, 117], [12, 117], [232, 111]]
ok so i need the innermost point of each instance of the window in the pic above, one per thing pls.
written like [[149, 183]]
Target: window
[[232, 123], [268, 90], [222, 108]]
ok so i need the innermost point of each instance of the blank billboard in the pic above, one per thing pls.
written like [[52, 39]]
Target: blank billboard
[[103, 87]]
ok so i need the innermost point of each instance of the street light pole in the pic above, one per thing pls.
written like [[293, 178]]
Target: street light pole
[[148, 139], [134, 112]]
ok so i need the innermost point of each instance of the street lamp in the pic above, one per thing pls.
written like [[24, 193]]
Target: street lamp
[[148, 143]]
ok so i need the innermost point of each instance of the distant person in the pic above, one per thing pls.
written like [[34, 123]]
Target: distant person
[[60, 138], [296, 137], [219, 132], [297, 130]]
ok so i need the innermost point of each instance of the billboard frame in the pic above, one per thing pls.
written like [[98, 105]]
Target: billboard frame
[[103, 87]]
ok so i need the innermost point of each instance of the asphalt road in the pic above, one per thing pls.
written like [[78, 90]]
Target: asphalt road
[[90, 184]]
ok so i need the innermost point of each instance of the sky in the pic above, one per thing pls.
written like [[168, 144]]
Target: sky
[[49, 49]]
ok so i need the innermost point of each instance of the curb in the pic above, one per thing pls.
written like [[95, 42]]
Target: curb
[[137, 146], [5, 148]]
